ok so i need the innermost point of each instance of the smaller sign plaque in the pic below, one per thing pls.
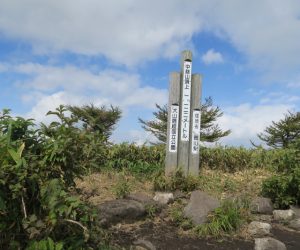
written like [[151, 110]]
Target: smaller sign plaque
[[196, 131], [174, 128]]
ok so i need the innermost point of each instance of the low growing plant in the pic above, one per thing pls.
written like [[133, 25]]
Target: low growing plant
[[123, 186], [225, 219], [177, 181]]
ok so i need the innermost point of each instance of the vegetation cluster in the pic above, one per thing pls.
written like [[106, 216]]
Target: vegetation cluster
[[39, 203]]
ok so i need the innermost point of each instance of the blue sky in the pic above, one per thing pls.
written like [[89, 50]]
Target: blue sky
[[121, 53]]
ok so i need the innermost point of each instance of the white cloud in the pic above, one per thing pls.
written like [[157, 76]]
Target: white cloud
[[279, 97], [132, 31], [212, 56], [246, 121], [141, 137], [125, 32], [266, 31], [45, 87]]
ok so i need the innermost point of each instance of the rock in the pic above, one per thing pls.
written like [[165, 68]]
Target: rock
[[268, 244], [199, 206], [261, 205], [142, 244], [283, 215], [163, 198], [295, 224], [142, 198], [117, 210], [296, 210], [259, 229]]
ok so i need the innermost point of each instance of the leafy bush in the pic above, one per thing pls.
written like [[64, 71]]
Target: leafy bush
[[284, 187], [37, 171]]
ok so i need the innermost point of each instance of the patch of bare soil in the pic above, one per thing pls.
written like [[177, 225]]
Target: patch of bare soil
[[288, 236], [166, 237], [162, 232]]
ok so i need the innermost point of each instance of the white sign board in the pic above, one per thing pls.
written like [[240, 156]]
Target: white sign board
[[196, 131], [174, 128], [186, 100]]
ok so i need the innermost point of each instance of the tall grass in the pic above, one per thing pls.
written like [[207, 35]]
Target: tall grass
[[150, 159]]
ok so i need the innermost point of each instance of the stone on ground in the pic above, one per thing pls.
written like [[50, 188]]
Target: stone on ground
[[295, 224], [143, 198], [283, 215], [261, 205], [259, 229], [117, 210], [199, 206], [163, 198], [296, 210], [268, 244], [142, 244]]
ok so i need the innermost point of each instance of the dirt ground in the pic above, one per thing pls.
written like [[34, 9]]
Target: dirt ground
[[166, 237]]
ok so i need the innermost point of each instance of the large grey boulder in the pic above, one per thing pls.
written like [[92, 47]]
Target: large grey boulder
[[295, 224], [259, 229], [117, 210], [283, 215], [199, 206], [268, 244], [261, 205]]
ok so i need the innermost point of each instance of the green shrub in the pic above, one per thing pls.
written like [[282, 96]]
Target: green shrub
[[37, 171], [281, 190], [46, 244], [284, 187]]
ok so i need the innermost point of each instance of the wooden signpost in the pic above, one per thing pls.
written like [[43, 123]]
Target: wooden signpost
[[183, 131]]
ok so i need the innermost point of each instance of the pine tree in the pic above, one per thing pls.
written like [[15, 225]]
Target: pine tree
[[284, 133], [97, 119], [210, 131]]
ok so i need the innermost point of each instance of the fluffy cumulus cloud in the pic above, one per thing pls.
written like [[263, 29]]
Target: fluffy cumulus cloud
[[48, 86], [124, 31], [247, 120], [132, 31], [212, 56], [266, 31]]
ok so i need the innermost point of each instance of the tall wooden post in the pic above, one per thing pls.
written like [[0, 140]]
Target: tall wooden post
[[183, 132]]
